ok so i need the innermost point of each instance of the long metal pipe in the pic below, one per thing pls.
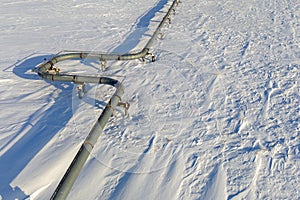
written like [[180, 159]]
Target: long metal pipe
[[113, 56], [162, 23], [47, 71], [78, 162]]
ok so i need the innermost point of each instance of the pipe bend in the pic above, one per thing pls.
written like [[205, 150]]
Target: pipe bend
[[107, 56], [47, 71]]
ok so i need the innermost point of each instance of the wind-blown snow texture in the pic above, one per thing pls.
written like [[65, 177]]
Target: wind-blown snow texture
[[215, 117]]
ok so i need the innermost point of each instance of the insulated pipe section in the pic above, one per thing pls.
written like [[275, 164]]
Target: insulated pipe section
[[110, 56], [49, 65], [160, 26], [69, 178], [47, 71], [77, 164], [82, 155], [79, 79]]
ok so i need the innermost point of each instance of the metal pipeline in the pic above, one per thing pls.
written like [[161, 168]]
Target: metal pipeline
[[82, 155], [78, 162], [161, 24], [113, 56], [47, 71]]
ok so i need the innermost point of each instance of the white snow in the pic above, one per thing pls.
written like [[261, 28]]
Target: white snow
[[215, 117]]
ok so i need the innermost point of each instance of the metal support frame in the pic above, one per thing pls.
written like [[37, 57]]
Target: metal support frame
[[47, 71]]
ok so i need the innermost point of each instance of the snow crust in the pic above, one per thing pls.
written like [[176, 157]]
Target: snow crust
[[215, 117]]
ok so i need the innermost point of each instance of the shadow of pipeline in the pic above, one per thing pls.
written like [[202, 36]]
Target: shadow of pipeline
[[37, 135]]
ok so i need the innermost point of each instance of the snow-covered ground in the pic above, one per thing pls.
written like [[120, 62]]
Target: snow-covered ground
[[215, 117]]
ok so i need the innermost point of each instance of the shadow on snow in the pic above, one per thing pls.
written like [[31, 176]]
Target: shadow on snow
[[53, 119], [140, 29]]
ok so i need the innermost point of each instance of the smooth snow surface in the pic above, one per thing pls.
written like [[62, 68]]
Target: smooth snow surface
[[215, 117]]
